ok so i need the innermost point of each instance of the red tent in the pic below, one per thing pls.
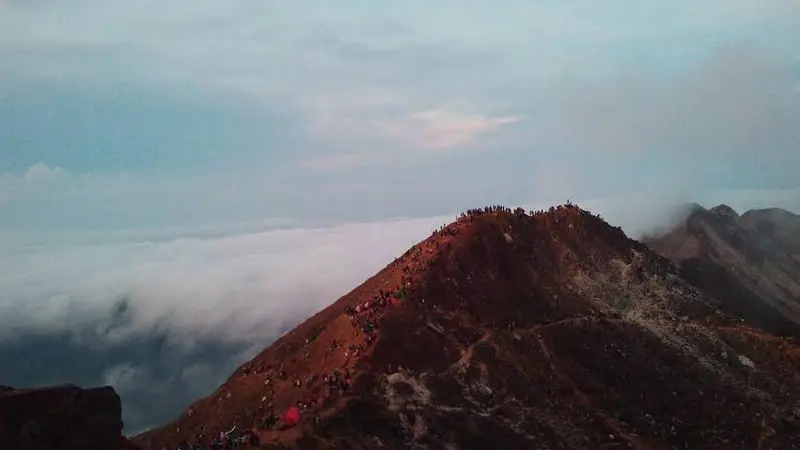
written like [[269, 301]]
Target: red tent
[[292, 416]]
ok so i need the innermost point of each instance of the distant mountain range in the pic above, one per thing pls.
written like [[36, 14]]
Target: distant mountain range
[[750, 263]]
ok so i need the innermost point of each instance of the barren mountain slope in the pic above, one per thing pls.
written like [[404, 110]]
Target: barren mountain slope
[[509, 330], [751, 262]]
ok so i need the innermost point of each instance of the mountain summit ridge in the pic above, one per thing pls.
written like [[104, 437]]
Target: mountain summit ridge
[[551, 329]]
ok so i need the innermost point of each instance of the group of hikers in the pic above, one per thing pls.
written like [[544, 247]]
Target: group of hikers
[[233, 438], [364, 318]]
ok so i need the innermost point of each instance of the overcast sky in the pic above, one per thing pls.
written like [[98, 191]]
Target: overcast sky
[[195, 172]]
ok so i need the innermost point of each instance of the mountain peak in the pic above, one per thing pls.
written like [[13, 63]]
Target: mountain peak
[[725, 211], [478, 335]]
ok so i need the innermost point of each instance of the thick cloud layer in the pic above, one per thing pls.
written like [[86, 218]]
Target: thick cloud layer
[[165, 321], [261, 279]]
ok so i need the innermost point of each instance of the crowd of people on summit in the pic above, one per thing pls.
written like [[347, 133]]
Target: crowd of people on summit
[[365, 318]]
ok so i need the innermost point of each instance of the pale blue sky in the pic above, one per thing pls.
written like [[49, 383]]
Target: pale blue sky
[[200, 111], [191, 157]]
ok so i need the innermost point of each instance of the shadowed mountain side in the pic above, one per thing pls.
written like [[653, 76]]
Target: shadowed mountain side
[[749, 263], [715, 280]]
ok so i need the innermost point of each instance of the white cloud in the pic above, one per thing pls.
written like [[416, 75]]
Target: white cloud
[[398, 118], [38, 179], [42, 173], [123, 377], [237, 287], [439, 129]]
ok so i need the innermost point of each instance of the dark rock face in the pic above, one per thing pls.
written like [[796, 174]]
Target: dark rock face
[[61, 417], [725, 212]]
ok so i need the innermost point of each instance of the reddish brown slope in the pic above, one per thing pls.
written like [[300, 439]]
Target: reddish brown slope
[[515, 331]]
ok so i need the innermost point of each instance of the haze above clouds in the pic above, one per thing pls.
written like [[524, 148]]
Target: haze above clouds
[[182, 182]]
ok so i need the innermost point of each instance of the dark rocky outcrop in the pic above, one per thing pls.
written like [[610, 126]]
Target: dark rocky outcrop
[[61, 418]]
